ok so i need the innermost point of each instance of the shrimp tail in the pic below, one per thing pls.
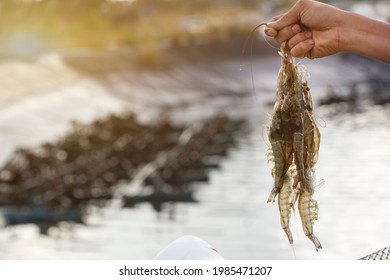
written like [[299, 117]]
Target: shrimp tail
[[289, 235], [315, 241], [272, 195], [308, 210]]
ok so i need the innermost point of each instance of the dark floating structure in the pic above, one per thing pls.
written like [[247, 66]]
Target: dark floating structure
[[43, 218], [199, 148], [55, 182], [374, 90], [158, 198]]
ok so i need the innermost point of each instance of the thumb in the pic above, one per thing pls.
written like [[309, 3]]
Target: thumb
[[289, 18]]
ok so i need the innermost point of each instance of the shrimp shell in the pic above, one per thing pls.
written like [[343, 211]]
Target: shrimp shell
[[308, 210], [284, 202], [295, 142]]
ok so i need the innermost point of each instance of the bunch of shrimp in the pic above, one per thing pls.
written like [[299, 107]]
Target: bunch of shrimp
[[295, 141]]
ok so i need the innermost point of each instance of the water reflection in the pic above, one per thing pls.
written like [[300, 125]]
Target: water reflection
[[232, 213], [57, 181]]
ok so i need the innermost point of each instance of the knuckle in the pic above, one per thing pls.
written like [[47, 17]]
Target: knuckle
[[301, 36], [280, 37], [297, 39], [286, 33], [295, 52], [302, 3], [309, 55], [300, 50]]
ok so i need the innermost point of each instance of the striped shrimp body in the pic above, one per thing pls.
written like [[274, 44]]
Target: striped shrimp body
[[278, 146], [279, 171], [308, 211], [285, 207], [311, 132]]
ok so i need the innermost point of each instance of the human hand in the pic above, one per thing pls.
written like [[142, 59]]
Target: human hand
[[309, 29]]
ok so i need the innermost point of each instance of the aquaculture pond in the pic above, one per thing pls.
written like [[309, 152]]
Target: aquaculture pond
[[149, 159]]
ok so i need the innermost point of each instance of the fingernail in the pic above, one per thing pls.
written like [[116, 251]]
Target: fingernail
[[296, 28], [270, 24], [308, 34], [272, 21], [270, 32], [310, 41]]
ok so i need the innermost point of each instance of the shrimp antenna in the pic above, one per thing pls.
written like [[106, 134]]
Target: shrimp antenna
[[250, 36], [244, 47], [318, 118]]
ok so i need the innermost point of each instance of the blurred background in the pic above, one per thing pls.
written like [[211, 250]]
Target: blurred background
[[126, 124]]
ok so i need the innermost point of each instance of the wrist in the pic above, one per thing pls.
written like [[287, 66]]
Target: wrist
[[349, 32], [365, 36]]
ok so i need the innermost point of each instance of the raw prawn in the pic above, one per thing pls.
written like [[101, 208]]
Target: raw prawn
[[295, 141], [284, 202], [308, 210]]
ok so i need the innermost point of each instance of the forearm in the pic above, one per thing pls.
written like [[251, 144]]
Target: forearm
[[365, 36]]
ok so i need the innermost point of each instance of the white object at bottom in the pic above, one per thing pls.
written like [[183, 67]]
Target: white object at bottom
[[189, 247]]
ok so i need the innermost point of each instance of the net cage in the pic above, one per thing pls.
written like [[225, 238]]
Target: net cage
[[383, 254]]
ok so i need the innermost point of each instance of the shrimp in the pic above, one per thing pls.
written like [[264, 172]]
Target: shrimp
[[308, 210], [280, 137], [312, 133], [279, 152], [285, 206], [295, 142]]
